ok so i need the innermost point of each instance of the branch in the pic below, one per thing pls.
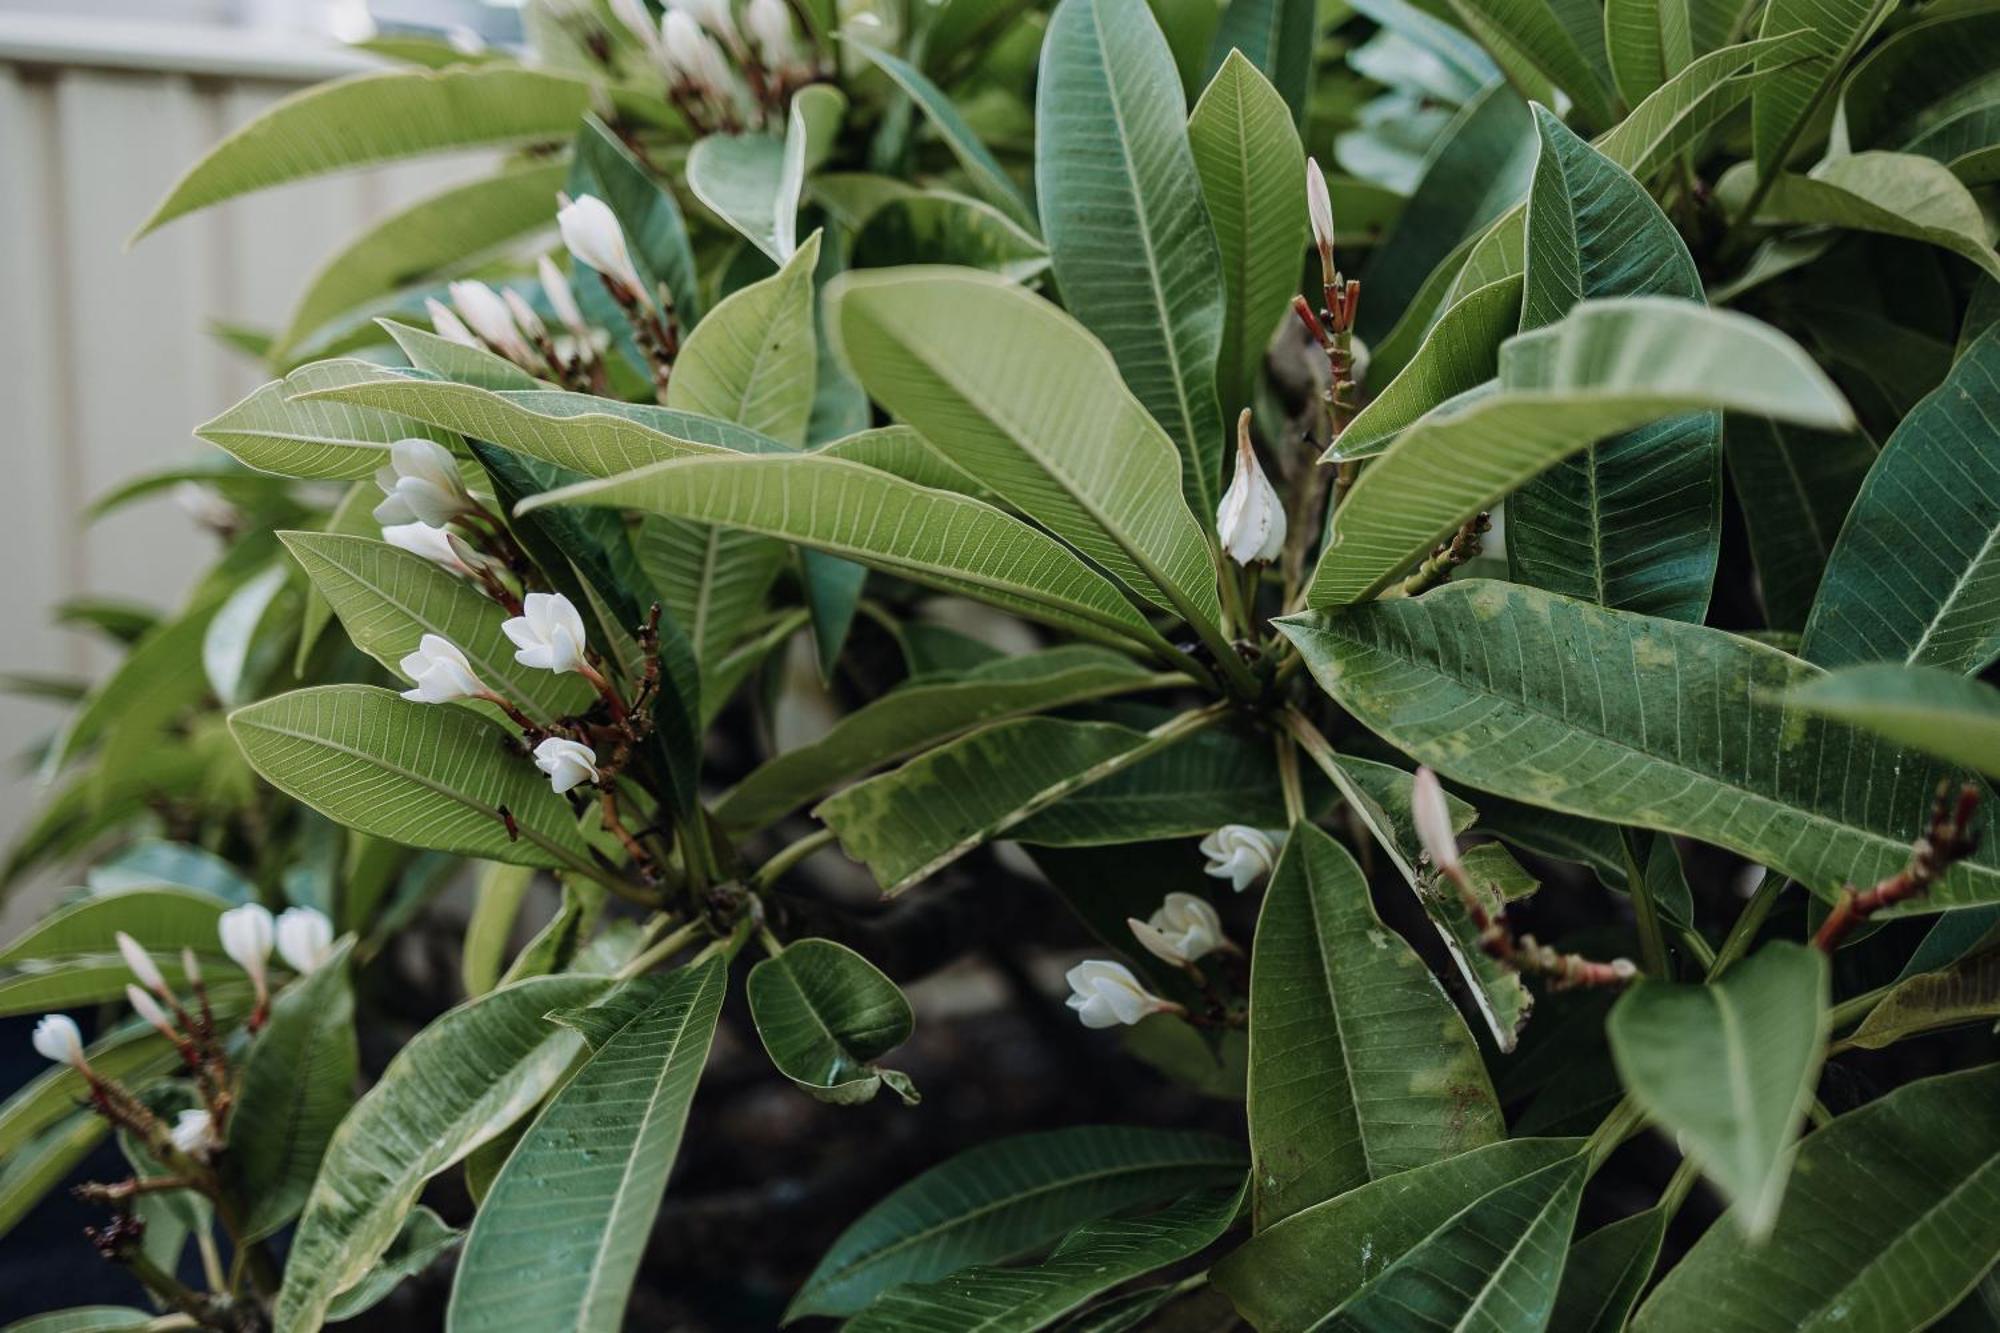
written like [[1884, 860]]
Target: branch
[[1949, 839]]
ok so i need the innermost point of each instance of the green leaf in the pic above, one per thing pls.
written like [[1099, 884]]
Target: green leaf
[[754, 359], [41, 1165], [1252, 168], [71, 983], [1647, 42], [1128, 234], [740, 177], [1729, 1068], [825, 1014], [1025, 399], [902, 452], [425, 775], [923, 712], [936, 227], [276, 430], [655, 233], [1635, 521], [1925, 708], [379, 118], [1791, 89], [1539, 33], [1606, 1272], [83, 1319], [908, 823], [1610, 366], [1274, 38], [1587, 701], [1928, 88], [1891, 1217], [457, 1083], [1296, 1274], [1091, 1260], [587, 1177], [715, 581], [931, 537], [388, 599], [1967, 991], [1185, 791], [989, 179], [353, 516], [298, 1083], [164, 920], [1359, 1065], [498, 894], [424, 1238], [1795, 487], [431, 239], [1461, 352], [1005, 1199], [1894, 194], [1927, 594]]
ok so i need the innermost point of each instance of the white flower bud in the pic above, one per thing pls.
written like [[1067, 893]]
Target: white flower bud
[[591, 231], [149, 1009], [449, 326], [548, 634], [713, 15], [769, 24], [305, 938], [1251, 518], [1240, 854], [525, 318], [692, 55], [634, 16], [562, 298], [445, 547], [421, 485], [1184, 929], [483, 309], [1432, 817], [1319, 207], [568, 763], [193, 1132], [440, 672], [141, 963], [1105, 994], [246, 934], [58, 1038], [190, 967]]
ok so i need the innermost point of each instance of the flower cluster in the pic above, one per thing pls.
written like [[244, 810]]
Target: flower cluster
[[723, 75]]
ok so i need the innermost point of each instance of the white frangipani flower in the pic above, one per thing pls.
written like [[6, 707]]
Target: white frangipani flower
[[190, 967], [193, 1132], [769, 24], [247, 933], [449, 326], [1432, 817], [441, 672], [58, 1038], [525, 318], [591, 231], [1184, 929], [1251, 518], [568, 763], [421, 484], [441, 545], [1240, 854], [305, 938], [548, 634], [484, 309], [714, 15], [562, 298], [1319, 207], [693, 55], [637, 20], [149, 1009], [141, 963], [1105, 994]]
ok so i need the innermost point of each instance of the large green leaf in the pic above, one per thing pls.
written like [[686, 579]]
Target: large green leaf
[[989, 179], [459, 1082], [1895, 194], [388, 599], [1560, 40], [1925, 708], [1091, 1260], [1461, 352], [1252, 169], [558, 1238], [825, 1015], [1638, 721], [164, 920], [1791, 90], [1915, 576], [276, 430], [1221, 776], [921, 712], [297, 1085], [1005, 1199], [426, 775], [908, 823], [754, 359], [1929, 88], [423, 1238], [1359, 1065], [1606, 1272], [431, 238], [1647, 42], [715, 581], [1635, 521], [1025, 399], [937, 227], [1275, 38], [379, 118], [932, 537], [1893, 1214], [1610, 366], [1294, 1275], [1729, 1068], [1128, 233], [1795, 487]]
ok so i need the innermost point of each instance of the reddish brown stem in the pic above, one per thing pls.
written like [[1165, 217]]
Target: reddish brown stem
[[1948, 839]]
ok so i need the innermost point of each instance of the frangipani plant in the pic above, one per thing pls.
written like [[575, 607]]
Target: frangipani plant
[[759, 337]]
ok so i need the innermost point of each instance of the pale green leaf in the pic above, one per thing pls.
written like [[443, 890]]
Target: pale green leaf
[[753, 361], [277, 430], [1461, 352], [936, 227], [1895, 194], [165, 920], [989, 179], [1929, 88], [1791, 91], [1926, 708]]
